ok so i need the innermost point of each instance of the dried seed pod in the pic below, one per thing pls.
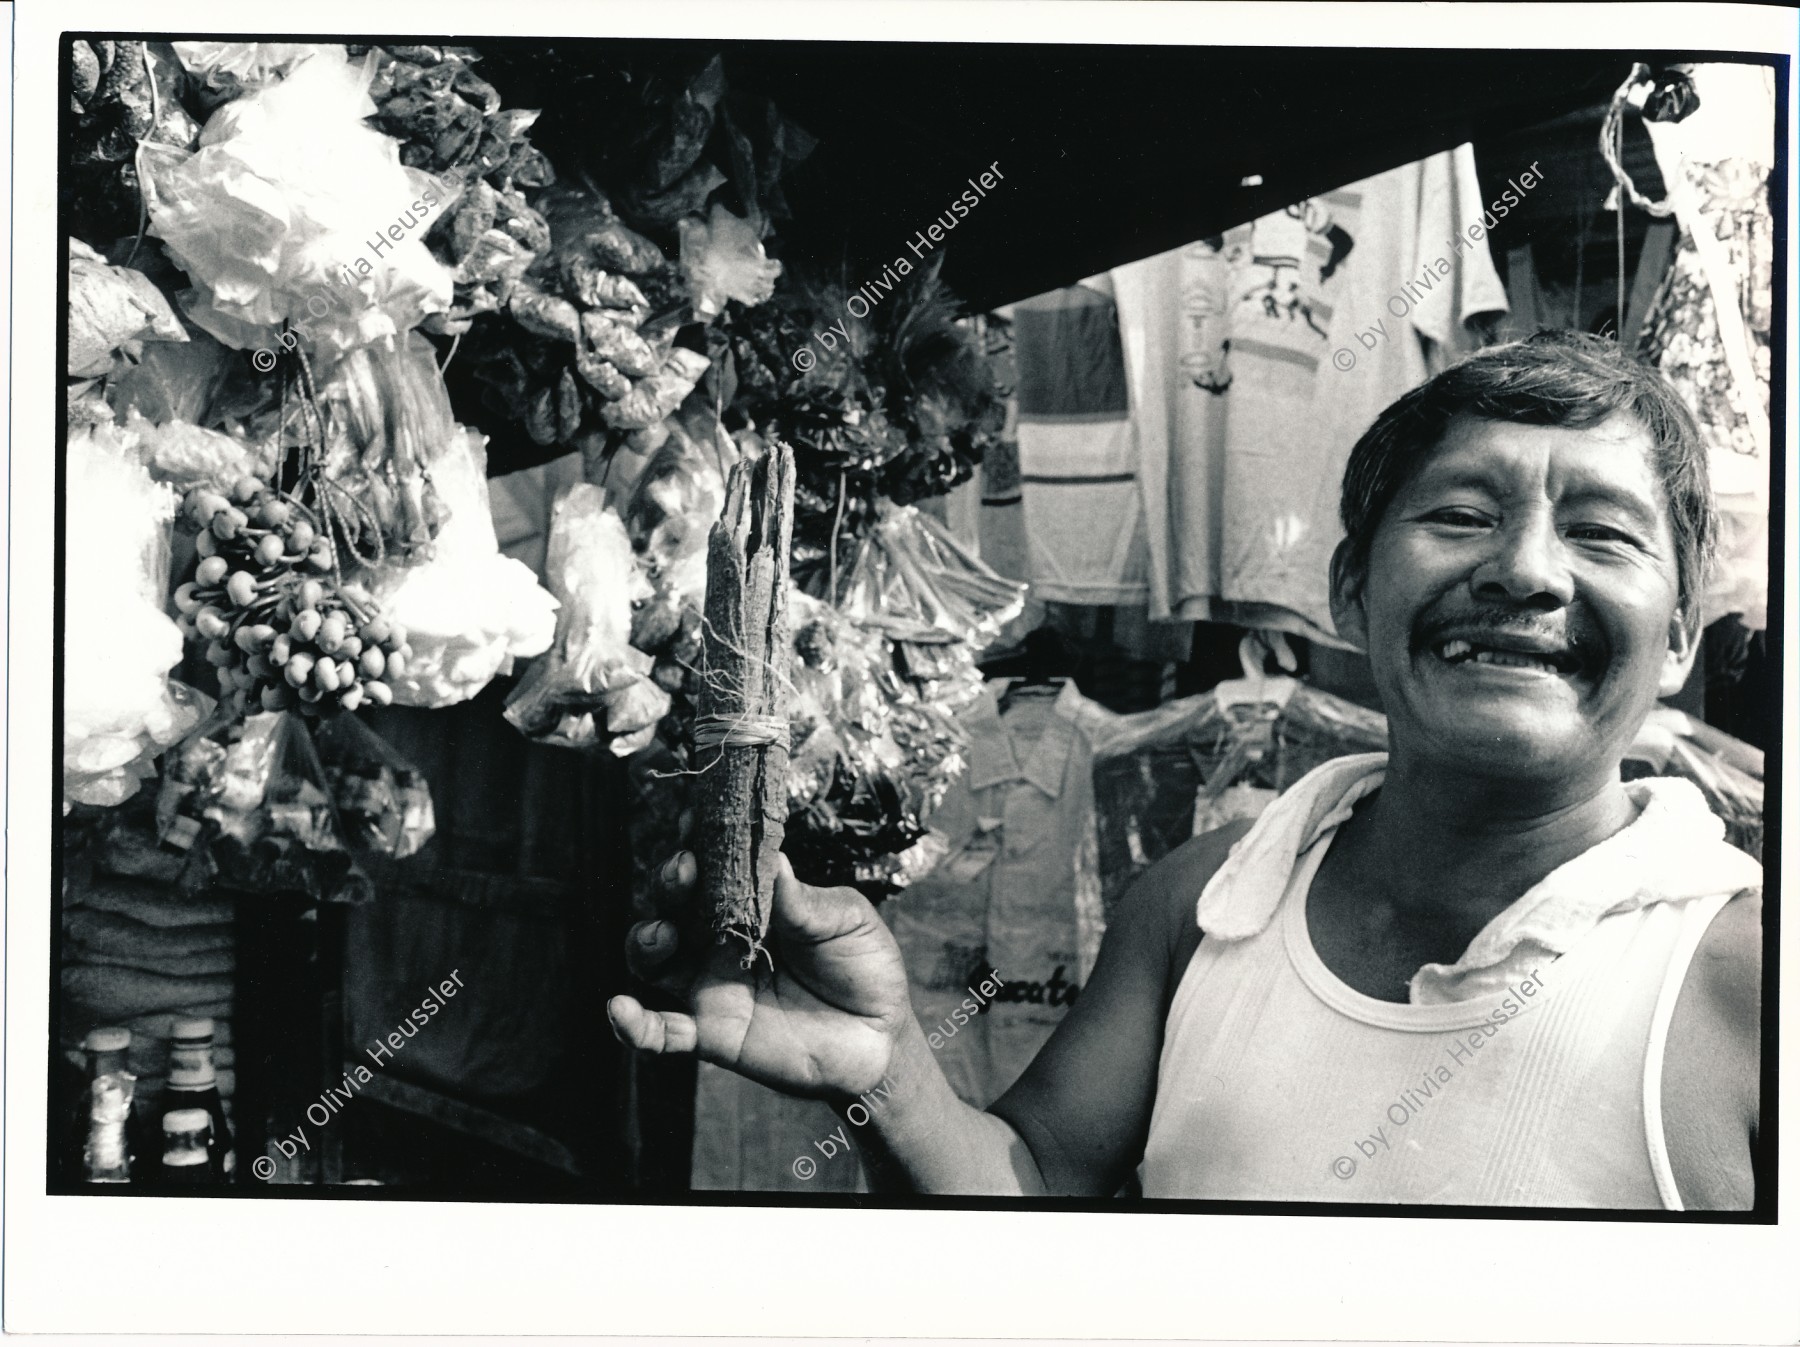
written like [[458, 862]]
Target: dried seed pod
[[615, 341], [544, 314], [602, 376], [615, 247], [540, 423], [474, 217], [568, 407], [598, 288]]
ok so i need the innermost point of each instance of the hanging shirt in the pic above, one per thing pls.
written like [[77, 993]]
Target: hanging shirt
[[1083, 513], [1007, 898], [1708, 327], [1257, 357]]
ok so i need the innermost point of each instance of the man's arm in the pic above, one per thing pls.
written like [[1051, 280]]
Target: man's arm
[[1076, 1120], [1712, 1063]]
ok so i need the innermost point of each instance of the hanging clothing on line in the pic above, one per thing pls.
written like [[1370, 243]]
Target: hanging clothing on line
[[1083, 513], [1257, 357], [1708, 327], [1002, 497], [1013, 896]]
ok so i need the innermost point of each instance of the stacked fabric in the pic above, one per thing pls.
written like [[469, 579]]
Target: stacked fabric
[[138, 953]]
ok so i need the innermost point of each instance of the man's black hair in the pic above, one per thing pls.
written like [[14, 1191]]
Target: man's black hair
[[1551, 378]]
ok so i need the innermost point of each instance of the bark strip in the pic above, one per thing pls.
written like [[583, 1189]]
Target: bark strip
[[743, 802]]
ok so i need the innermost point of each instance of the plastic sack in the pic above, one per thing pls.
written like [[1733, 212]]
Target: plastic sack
[[119, 708], [592, 686], [1199, 762], [255, 794], [383, 800], [468, 611], [870, 759], [1727, 770], [185, 456], [723, 259], [112, 308], [294, 211], [388, 415], [226, 70], [913, 581], [674, 502], [171, 381]]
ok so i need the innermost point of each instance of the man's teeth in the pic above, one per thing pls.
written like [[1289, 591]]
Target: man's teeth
[[1457, 652], [1512, 661]]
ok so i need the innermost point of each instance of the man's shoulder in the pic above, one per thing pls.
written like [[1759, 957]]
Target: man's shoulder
[[1727, 965], [1169, 890]]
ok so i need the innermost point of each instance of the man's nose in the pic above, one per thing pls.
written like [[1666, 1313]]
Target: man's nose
[[1526, 564]]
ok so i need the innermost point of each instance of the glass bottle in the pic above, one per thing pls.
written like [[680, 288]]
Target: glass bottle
[[193, 1083], [186, 1163], [104, 1158], [106, 1050]]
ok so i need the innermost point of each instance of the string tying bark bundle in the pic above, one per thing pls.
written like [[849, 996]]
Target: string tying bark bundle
[[740, 733]]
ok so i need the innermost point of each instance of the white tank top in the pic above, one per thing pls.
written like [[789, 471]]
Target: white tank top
[[1280, 1082]]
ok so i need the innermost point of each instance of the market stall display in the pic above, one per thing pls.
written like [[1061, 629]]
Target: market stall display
[[320, 293]]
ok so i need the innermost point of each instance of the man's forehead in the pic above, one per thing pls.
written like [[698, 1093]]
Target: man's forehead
[[1616, 454]]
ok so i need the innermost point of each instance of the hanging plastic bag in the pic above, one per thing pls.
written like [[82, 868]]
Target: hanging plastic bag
[[382, 799], [592, 686], [388, 415], [119, 708], [870, 759], [469, 611], [723, 259], [257, 796], [112, 308], [294, 211], [227, 70], [913, 581], [675, 501], [185, 456]]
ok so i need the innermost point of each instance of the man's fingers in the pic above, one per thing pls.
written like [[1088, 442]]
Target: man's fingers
[[675, 884], [813, 915], [658, 1031], [649, 945], [654, 953]]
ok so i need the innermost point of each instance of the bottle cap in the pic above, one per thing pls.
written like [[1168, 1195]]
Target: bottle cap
[[109, 1039], [184, 1122], [191, 1029], [190, 1077]]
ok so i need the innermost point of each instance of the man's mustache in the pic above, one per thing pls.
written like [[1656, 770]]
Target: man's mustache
[[1559, 630]]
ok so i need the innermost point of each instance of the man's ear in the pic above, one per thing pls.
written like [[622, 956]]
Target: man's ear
[[1684, 646], [1346, 597]]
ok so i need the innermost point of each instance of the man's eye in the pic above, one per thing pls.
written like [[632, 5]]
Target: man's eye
[[1457, 518], [1603, 533]]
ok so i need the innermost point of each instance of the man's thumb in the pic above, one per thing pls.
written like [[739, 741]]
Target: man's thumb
[[812, 915]]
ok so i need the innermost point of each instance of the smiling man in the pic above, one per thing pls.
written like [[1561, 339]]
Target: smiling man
[[1477, 969]]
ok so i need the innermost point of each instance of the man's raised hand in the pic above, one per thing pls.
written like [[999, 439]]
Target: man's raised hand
[[823, 1023]]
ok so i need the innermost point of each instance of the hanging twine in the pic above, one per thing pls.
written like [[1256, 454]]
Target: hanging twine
[[719, 732], [1612, 141]]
